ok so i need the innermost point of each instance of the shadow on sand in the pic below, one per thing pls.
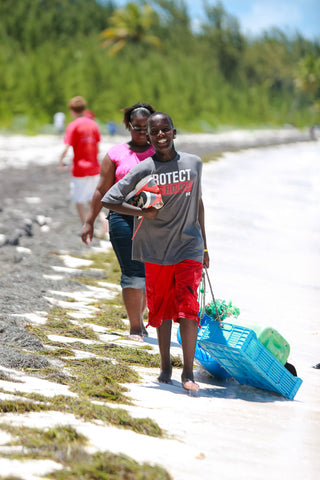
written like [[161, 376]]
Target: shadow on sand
[[213, 388]]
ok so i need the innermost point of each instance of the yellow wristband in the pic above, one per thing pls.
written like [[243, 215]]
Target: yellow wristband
[[205, 250]]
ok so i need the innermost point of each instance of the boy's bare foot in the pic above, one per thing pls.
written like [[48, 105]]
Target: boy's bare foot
[[190, 385], [165, 377], [137, 336]]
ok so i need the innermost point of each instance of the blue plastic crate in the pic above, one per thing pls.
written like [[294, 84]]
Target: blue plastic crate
[[238, 350]]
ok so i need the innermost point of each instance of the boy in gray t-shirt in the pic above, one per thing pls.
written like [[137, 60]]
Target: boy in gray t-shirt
[[171, 241]]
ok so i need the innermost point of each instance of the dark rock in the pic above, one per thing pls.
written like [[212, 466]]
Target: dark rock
[[28, 227]]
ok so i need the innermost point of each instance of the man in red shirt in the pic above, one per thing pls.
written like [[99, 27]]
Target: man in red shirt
[[83, 135]]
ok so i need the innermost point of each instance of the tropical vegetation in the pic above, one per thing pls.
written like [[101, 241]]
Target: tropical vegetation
[[207, 76]]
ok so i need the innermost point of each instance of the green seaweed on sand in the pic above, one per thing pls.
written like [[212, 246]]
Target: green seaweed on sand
[[109, 316], [132, 356], [85, 280], [38, 332], [59, 323], [57, 352], [53, 374], [107, 466], [8, 378], [106, 261], [100, 378], [60, 443], [63, 444], [94, 378], [176, 361], [22, 406], [81, 408]]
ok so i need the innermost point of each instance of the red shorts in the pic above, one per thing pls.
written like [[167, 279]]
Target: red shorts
[[172, 291]]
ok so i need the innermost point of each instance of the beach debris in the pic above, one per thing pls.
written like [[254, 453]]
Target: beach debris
[[224, 309]]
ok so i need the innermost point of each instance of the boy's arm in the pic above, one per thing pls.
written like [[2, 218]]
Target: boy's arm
[[206, 259], [114, 199], [62, 156], [127, 209]]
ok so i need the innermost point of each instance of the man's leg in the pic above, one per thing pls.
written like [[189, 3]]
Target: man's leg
[[164, 340], [188, 332], [81, 212]]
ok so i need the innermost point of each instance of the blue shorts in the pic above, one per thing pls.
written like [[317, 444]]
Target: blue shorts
[[121, 231]]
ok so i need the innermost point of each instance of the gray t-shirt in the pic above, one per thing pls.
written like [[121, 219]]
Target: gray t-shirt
[[175, 234]]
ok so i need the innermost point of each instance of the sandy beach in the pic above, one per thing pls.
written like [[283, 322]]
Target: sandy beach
[[263, 227]]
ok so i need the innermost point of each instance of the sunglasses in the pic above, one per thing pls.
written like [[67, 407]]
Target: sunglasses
[[137, 129], [154, 132]]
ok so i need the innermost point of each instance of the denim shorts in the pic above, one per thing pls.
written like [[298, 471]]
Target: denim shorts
[[121, 231]]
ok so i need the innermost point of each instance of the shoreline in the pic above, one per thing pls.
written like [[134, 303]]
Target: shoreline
[[25, 150], [205, 143]]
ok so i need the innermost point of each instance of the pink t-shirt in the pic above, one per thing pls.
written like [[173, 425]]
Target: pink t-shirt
[[124, 158], [83, 135]]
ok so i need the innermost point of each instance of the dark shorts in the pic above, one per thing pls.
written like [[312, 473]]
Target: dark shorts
[[172, 291], [121, 231]]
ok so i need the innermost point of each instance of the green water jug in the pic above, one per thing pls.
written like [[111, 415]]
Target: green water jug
[[275, 343], [269, 337]]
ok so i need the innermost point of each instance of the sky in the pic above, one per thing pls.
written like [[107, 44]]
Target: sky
[[255, 16]]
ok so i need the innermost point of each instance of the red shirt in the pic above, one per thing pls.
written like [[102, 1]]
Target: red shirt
[[83, 135]]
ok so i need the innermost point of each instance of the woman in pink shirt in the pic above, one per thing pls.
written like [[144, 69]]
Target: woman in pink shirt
[[116, 164]]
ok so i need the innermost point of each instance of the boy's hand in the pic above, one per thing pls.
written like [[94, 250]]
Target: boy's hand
[[150, 212], [206, 259]]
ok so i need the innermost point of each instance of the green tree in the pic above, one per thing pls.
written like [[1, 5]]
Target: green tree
[[130, 25], [205, 78], [307, 79], [29, 23], [222, 30], [174, 28]]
